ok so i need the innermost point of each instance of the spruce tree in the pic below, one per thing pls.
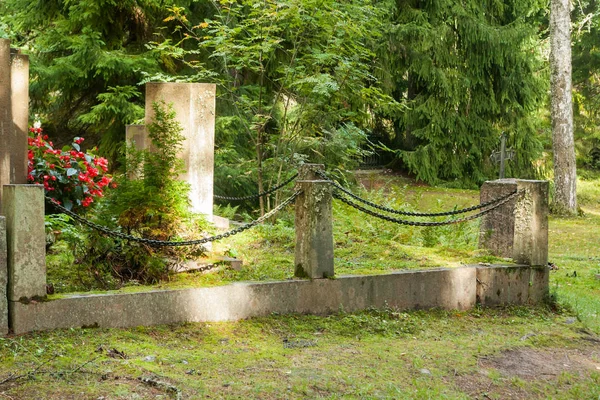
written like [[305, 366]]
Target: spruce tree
[[469, 71]]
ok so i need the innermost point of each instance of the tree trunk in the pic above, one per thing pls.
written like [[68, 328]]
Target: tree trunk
[[563, 143]]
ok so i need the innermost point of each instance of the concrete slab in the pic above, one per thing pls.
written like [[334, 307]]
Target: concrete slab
[[440, 288]]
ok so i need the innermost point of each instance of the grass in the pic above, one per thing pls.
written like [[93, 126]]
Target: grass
[[574, 248], [372, 354], [372, 246], [525, 353]]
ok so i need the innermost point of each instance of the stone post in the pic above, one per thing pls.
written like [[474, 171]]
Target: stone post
[[26, 241], [14, 115], [6, 124], [519, 228], [307, 172], [3, 279], [314, 230], [19, 81], [139, 136], [194, 104]]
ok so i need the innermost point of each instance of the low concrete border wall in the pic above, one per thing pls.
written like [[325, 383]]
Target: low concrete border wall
[[455, 288]]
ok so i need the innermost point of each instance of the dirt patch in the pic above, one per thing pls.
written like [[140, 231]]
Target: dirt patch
[[496, 375], [527, 363]]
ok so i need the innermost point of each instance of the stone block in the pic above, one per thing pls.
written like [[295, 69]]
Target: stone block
[[3, 278], [531, 224], [308, 172], [314, 230], [194, 104], [519, 228], [219, 222], [26, 244], [138, 135], [500, 285], [6, 124], [19, 80]]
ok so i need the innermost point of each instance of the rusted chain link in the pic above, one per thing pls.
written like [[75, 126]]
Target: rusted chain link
[[420, 223], [261, 194], [163, 243], [410, 213]]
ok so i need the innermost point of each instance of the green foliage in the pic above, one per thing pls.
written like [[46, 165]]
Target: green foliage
[[296, 84], [149, 202], [86, 58], [586, 95], [469, 71]]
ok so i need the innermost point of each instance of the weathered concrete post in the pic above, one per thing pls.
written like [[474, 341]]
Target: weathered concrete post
[[519, 228], [138, 135], [308, 172], [14, 114], [6, 125], [314, 230], [19, 98], [26, 241], [194, 104], [3, 279]]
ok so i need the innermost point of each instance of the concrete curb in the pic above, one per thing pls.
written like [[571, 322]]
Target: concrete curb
[[455, 288]]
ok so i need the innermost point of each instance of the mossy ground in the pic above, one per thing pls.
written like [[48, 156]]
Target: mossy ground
[[372, 354], [525, 353]]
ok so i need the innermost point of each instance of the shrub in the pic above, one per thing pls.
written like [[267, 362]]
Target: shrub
[[70, 176], [149, 202]]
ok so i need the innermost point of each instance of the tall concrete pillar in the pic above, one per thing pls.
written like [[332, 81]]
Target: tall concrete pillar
[[314, 230], [519, 228], [19, 80], [194, 104], [6, 124], [14, 115], [26, 241], [3, 279]]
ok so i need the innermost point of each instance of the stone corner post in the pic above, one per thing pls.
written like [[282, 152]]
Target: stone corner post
[[26, 242], [3, 279], [519, 228], [314, 230]]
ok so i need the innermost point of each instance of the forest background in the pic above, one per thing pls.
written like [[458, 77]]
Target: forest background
[[429, 85]]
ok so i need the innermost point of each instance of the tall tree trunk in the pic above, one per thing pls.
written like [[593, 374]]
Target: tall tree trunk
[[563, 143]]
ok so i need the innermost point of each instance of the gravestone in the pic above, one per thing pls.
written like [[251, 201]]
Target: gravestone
[[194, 105]]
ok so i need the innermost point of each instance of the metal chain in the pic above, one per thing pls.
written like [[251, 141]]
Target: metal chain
[[163, 243], [419, 223], [410, 213], [261, 194]]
